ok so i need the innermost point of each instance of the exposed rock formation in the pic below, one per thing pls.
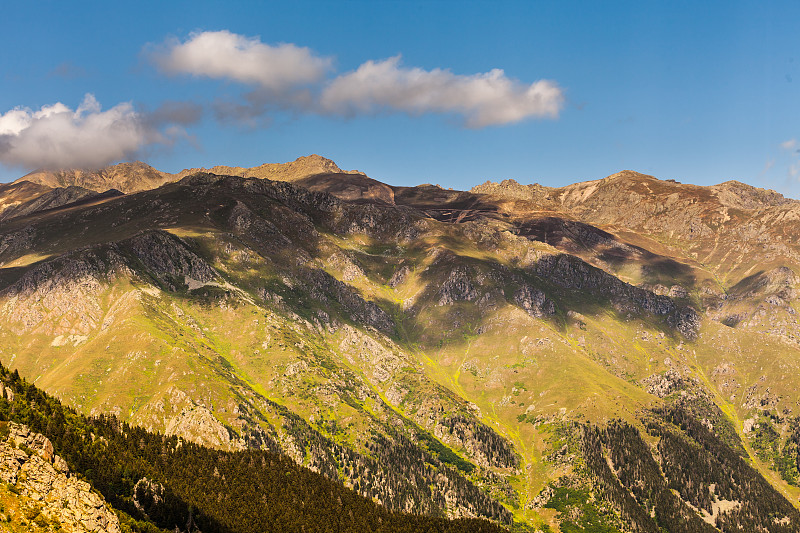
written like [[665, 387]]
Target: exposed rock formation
[[457, 288], [298, 169], [534, 301], [42, 479], [166, 257]]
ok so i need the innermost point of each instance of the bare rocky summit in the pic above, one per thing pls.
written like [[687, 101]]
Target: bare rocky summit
[[125, 177], [300, 168]]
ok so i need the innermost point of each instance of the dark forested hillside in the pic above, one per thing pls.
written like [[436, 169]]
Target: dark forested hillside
[[690, 482]]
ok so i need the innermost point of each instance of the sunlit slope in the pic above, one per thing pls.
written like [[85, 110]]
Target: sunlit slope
[[424, 350]]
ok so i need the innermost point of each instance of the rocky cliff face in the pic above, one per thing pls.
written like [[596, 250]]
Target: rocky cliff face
[[46, 493]]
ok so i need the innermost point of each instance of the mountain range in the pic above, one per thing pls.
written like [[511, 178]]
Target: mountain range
[[614, 355]]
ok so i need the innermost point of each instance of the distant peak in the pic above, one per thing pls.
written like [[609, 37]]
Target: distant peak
[[734, 184], [127, 177], [316, 162], [629, 175], [317, 159], [131, 165]]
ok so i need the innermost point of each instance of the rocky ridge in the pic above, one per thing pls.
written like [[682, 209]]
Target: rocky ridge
[[300, 168]]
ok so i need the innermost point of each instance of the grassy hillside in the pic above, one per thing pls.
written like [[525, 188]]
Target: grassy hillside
[[417, 345]]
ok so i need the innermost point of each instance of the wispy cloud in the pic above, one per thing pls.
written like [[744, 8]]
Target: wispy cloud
[[483, 99], [173, 112], [293, 78], [68, 71], [56, 136], [226, 55], [767, 167], [792, 146]]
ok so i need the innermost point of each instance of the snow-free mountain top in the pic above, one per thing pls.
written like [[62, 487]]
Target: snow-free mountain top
[[300, 168]]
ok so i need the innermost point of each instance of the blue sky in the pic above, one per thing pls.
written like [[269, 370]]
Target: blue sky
[[701, 92]]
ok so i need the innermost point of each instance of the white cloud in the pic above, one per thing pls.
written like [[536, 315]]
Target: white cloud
[[226, 55], [16, 120], [791, 144], [287, 77], [55, 136], [483, 99]]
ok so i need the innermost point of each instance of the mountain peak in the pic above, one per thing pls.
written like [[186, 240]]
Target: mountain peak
[[131, 165], [629, 175], [315, 159], [300, 168]]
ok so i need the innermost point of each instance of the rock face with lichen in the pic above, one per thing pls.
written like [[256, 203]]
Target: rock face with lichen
[[43, 481]]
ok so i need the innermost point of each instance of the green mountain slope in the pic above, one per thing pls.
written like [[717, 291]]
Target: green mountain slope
[[157, 483], [424, 347]]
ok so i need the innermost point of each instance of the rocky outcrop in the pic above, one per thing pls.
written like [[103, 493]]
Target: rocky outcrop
[[147, 495], [349, 268], [399, 277], [380, 362], [198, 424], [510, 188], [43, 480], [61, 297], [169, 260], [764, 302], [662, 385], [457, 287], [742, 196], [244, 222], [534, 302], [17, 241], [686, 320], [325, 288], [572, 273]]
